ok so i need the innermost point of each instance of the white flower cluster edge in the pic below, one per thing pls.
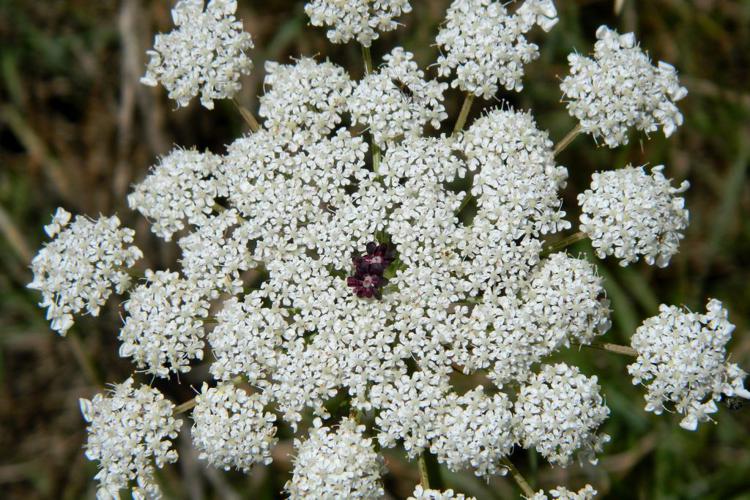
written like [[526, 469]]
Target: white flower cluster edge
[[298, 200]]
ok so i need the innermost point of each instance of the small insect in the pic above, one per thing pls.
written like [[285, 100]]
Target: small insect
[[403, 87], [734, 403]]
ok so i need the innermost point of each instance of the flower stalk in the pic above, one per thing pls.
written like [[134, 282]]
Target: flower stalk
[[367, 58], [616, 348], [564, 243], [518, 478], [565, 141], [463, 114], [429, 471], [249, 118]]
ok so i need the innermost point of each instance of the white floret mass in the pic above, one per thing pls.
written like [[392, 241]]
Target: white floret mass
[[278, 192], [338, 463], [397, 100], [682, 362], [562, 302], [566, 300], [129, 434], [359, 20], [411, 410], [485, 46], [78, 270], [163, 329], [475, 433], [181, 187], [558, 412], [247, 338], [304, 101], [420, 493], [231, 428], [517, 182], [205, 54], [619, 88], [561, 493], [214, 256], [631, 214], [329, 280]]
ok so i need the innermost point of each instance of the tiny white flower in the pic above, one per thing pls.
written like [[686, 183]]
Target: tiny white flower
[[59, 221]]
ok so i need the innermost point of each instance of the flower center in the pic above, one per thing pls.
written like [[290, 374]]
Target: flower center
[[368, 280]]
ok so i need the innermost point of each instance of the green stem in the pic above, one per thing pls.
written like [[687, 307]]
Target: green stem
[[429, 471], [616, 348], [567, 139], [464, 202], [423, 475], [464, 113], [367, 58], [247, 116], [185, 407], [519, 479], [563, 243], [375, 157]]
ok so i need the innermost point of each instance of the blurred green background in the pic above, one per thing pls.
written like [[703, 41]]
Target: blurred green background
[[76, 129]]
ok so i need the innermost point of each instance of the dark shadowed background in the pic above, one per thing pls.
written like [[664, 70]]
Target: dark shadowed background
[[77, 129]]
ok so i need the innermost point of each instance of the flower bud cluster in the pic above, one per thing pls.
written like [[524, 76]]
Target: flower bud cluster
[[217, 252], [231, 428], [356, 19], [397, 100], [80, 267], [182, 186], [559, 411], [247, 338], [485, 45], [336, 464], [205, 55], [368, 280], [619, 88], [420, 493], [475, 433], [517, 183], [129, 432], [631, 214], [163, 330], [682, 362], [304, 101], [563, 301], [562, 493]]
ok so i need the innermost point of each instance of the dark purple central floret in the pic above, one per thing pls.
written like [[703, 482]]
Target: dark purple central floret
[[368, 279]]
